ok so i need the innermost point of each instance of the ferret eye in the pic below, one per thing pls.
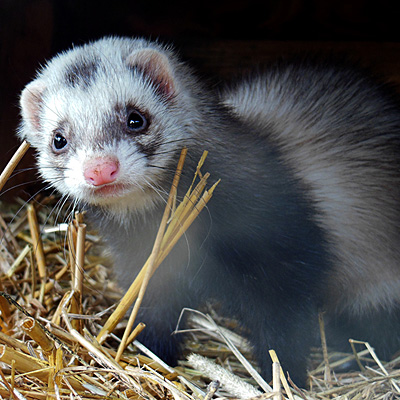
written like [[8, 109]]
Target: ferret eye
[[136, 122], [59, 142]]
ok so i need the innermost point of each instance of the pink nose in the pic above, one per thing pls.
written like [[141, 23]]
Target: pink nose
[[100, 171]]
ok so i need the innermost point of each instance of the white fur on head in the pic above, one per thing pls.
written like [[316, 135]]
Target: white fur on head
[[86, 95]]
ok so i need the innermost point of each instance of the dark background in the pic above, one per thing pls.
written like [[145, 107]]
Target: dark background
[[218, 37]]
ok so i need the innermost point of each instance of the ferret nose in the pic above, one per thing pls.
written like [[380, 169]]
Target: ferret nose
[[100, 171]]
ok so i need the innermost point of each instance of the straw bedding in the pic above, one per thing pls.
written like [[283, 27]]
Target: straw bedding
[[64, 333]]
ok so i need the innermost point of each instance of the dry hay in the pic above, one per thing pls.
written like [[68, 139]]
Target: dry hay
[[61, 324]]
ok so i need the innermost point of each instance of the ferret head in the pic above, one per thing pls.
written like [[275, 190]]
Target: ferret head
[[106, 120]]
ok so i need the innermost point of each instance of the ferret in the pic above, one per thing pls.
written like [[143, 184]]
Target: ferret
[[306, 217]]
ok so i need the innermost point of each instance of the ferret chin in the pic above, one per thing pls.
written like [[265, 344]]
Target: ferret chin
[[306, 217]]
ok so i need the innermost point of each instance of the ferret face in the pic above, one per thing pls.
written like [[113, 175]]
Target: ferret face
[[105, 119]]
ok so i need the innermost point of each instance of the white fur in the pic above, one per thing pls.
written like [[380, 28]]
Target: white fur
[[115, 83]]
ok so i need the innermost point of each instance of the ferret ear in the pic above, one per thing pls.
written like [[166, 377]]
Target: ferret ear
[[156, 67], [31, 102]]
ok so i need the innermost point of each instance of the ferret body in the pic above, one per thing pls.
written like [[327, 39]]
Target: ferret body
[[306, 216]]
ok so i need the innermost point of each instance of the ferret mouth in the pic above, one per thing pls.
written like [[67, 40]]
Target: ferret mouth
[[118, 196], [110, 190]]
